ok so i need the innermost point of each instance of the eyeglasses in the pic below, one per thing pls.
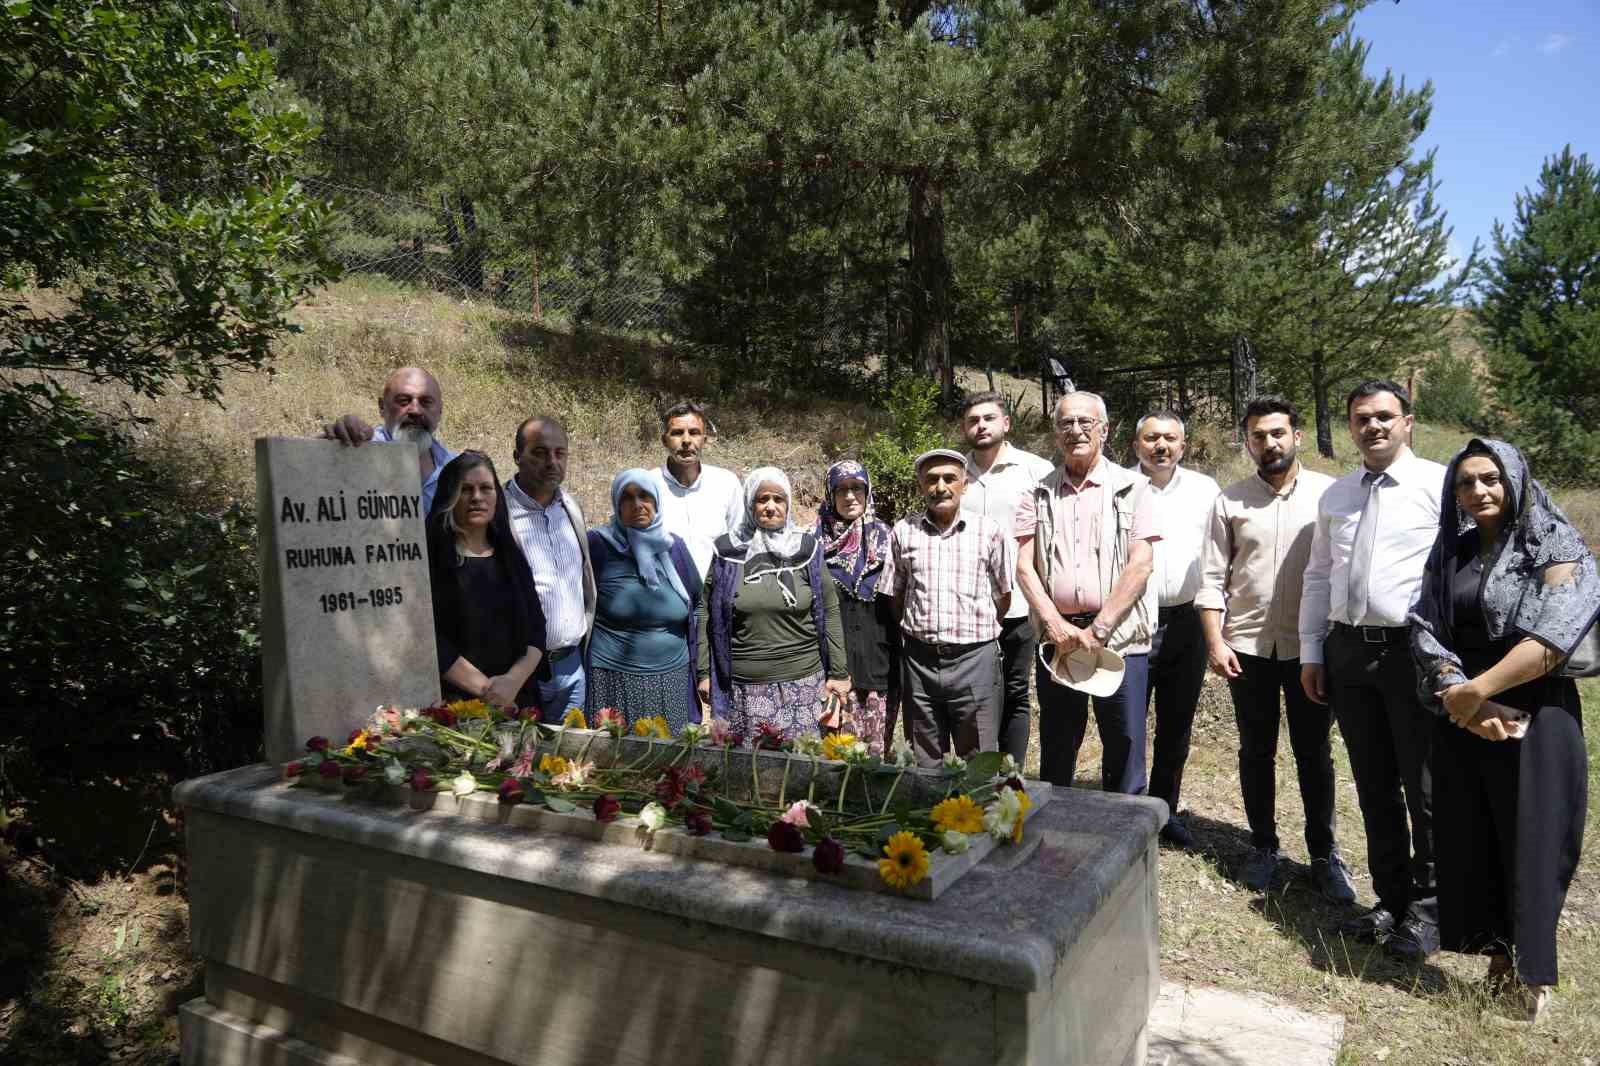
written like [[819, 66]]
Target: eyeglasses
[[851, 490], [1077, 423]]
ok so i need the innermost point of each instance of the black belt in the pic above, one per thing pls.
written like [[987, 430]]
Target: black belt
[[1082, 621], [555, 655], [1162, 613], [1374, 634], [948, 649]]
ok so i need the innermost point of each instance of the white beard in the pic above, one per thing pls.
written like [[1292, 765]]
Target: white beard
[[418, 436]]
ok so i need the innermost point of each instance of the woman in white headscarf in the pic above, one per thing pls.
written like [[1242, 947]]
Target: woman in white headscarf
[[774, 652]]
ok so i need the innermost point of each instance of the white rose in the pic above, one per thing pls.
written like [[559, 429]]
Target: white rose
[[464, 784], [955, 843], [653, 816]]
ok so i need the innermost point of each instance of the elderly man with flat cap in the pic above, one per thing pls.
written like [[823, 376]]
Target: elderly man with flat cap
[[950, 573]]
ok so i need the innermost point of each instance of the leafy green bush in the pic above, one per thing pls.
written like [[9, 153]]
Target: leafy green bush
[[890, 456], [1449, 391], [128, 615]]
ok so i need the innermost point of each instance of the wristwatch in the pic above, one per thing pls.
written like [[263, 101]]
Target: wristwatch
[[1101, 632]]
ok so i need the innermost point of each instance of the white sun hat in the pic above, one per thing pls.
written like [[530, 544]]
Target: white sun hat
[[1098, 672]]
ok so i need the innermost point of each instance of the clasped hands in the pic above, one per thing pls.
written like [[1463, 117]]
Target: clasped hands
[[1068, 638], [1464, 703]]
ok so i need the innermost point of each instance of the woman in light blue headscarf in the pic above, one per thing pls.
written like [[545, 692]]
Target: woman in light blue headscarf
[[643, 647]]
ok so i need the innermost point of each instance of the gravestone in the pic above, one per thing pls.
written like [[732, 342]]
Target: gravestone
[[346, 609]]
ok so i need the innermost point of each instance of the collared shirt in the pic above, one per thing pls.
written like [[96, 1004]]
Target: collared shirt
[[1183, 509], [949, 578], [1408, 522], [704, 511], [550, 543], [1254, 563], [441, 456], [1075, 585], [996, 493]]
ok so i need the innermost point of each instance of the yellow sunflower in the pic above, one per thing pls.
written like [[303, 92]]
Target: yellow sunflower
[[553, 765], [360, 741], [470, 709], [905, 862], [835, 745], [1023, 803], [958, 813], [653, 727], [574, 718]]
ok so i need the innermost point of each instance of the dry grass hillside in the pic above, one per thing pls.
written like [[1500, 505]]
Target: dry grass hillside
[[497, 368]]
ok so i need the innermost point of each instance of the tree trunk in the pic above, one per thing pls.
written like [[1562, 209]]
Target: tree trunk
[[929, 283], [1319, 393], [538, 297]]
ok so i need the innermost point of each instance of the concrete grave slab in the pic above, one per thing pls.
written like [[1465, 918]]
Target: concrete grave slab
[[1193, 1025]]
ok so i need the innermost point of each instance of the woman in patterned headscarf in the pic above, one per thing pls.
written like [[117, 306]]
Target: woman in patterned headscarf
[[1509, 591], [774, 654], [855, 545]]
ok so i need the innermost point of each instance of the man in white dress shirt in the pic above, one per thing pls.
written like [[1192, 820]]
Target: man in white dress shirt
[[702, 501], [1374, 529], [999, 474], [1178, 650], [549, 527]]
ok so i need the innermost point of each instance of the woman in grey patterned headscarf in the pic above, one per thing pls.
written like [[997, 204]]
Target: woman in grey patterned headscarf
[[1509, 591]]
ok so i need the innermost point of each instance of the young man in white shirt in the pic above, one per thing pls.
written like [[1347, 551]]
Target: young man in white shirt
[[1178, 650], [702, 502], [550, 529], [999, 475], [1374, 529], [1251, 574]]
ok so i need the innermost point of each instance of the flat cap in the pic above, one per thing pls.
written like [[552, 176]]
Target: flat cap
[[941, 453]]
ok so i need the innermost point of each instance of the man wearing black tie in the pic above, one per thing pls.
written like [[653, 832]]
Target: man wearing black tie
[[1374, 529]]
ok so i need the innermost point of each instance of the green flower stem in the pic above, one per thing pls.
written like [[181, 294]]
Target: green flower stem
[[586, 744], [843, 785], [893, 785], [783, 786]]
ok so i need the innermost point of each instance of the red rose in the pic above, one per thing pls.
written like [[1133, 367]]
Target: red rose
[[828, 857], [697, 822], [1014, 783], [785, 836], [669, 788], [693, 777], [511, 791], [420, 781], [769, 736], [293, 769], [328, 768], [355, 775], [317, 744], [606, 808]]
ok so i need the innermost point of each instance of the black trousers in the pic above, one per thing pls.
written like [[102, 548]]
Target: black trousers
[[1119, 718], [1016, 674], [1373, 691], [1177, 670], [1510, 832], [1255, 695]]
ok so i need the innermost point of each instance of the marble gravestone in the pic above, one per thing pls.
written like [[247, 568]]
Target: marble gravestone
[[346, 609]]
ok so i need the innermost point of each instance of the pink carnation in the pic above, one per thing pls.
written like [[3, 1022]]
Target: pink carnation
[[796, 814]]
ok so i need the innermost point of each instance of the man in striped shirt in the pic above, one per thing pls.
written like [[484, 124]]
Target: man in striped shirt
[[950, 573], [549, 527]]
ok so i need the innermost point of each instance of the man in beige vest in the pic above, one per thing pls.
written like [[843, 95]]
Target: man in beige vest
[[1084, 558]]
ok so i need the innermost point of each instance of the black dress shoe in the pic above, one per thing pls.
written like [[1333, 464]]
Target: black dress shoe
[[1331, 877], [1177, 834], [1369, 926], [1413, 939]]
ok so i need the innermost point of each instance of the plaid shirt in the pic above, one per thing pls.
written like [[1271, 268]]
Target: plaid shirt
[[950, 580]]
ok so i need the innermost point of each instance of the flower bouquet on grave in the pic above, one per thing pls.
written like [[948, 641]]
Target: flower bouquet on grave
[[815, 793]]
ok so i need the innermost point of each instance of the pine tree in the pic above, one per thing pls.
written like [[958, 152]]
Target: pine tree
[[1539, 305]]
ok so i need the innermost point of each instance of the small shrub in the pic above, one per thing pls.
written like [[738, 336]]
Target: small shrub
[[1450, 391], [890, 455]]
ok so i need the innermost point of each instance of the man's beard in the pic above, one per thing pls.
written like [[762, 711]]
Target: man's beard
[[419, 436], [1279, 465]]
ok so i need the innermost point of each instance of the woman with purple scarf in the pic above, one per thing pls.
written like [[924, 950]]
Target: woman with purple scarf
[[855, 544]]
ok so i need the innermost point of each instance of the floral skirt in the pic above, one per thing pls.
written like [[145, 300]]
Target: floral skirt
[[643, 695], [867, 718], [790, 706]]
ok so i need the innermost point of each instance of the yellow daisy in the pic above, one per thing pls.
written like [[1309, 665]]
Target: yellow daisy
[[1023, 803], [574, 718], [905, 862], [653, 727], [361, 740], [554, 765], [835, 745], [470, 709], [958, 813]]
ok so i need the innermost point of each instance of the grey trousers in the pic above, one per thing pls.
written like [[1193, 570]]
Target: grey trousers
[[951, 698]]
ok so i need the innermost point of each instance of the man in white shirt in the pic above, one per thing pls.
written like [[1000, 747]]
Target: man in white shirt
[[411, 406], [1374, 529], [999, 474], [1178, 650], [702, 501], [1251, 574], [549, 527]]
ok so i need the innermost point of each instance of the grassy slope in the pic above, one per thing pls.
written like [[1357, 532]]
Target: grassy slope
[[496, 369]]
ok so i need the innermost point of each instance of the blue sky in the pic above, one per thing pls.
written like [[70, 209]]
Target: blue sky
[[1513, 82]]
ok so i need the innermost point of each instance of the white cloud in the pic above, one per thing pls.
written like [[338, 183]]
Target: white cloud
[[1555, 42]]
